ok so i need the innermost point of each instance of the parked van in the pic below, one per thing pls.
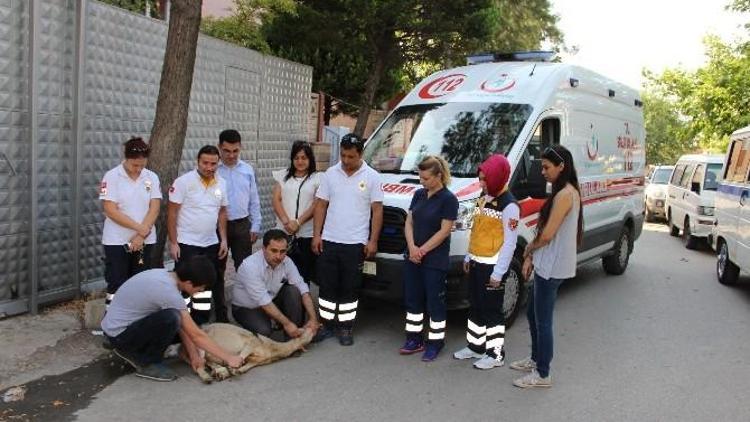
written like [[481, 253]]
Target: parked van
[[690, 197], [656, 192], [517, 108], [732, 229]]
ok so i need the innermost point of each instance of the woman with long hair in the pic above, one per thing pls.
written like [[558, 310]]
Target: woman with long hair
[[294, 202], [551, 256], [428, 226]]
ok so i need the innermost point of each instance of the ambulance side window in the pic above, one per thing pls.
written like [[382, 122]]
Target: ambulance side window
[[527, 179], [739, 163]]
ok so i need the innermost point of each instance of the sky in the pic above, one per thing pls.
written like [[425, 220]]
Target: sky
[[619, 38]]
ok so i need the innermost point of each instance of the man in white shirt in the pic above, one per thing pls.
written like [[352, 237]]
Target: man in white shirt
[[197, 206], [243, 211], [269, 287], [347, 222], [130, 196]]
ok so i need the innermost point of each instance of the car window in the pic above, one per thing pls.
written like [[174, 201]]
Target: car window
[[686, 175], [698, 175], [738, 163], [712, 177], [661, 176], [677, 175]]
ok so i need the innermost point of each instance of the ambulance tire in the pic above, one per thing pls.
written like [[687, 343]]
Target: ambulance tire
[[727, 272], [617, 262], [515, 292]]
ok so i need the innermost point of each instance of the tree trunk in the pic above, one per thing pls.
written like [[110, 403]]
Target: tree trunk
[[371, 87], [170, 122]]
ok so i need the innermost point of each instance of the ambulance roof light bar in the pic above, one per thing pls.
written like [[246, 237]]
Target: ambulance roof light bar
[[518, 56]]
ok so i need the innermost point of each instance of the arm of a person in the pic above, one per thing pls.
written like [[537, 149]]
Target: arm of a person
[[562, 204], [153, 212], [308, 214], [278, 205], [321, 207], [312, 316], [254, 204], [273, 312], [511, 215], [409, 231], [202, 340], [223, 224], [119, 217], [376, 208], [436, 239], [173, 209]]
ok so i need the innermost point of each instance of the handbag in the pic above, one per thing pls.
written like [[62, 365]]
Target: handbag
[[292, 246]]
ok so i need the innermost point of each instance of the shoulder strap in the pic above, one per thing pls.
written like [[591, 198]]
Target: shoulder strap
[[299, 193]]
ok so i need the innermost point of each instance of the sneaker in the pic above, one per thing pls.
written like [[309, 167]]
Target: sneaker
[[532, 380], [156, 372], [127, 357], [106, 344], [524, 365], [489, 362], [431, 352], [345, 337], [467, 353], [323, 333], [412, 345]]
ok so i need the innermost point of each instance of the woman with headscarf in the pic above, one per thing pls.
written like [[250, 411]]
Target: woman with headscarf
[[491, 247]]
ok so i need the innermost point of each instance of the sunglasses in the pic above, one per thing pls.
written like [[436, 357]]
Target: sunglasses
[[351, 139], [137, 150], [557, 154]]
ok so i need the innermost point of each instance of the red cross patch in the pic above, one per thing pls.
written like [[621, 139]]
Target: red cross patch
[[513, 224]]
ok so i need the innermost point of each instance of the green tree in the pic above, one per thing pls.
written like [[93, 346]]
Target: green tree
[[714, 99], [381, 46], [143, 7], [244, 27], [666, 133]]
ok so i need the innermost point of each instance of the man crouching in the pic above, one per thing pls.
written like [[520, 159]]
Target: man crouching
[[148, 312]]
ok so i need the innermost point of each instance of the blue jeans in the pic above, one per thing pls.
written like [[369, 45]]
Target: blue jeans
[[422, 284], [539, 314], [148, 338]]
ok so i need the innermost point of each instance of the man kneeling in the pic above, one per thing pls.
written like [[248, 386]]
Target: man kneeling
[[269, 287], [148, 312]]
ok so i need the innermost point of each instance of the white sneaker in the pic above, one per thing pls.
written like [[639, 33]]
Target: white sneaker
[[489, 362], [525, 365], [467, 353], [533, 380]]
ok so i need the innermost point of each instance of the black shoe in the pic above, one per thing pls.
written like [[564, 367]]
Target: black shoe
[[156, 372], [345, 337], [323, 333], [107, 345]]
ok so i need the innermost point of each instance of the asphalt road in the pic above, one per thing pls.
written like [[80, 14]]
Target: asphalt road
[[663, 342]]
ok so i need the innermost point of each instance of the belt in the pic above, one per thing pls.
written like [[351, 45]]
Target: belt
[[238, 220]]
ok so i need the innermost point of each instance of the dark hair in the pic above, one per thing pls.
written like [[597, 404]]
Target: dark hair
[[352, 141], [274, 234], [136, 148], [208, 150], [298, 146], [230, 135], [557, 154], [197, 269]]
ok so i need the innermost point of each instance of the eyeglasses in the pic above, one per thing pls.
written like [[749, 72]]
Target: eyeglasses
[[552, 150]]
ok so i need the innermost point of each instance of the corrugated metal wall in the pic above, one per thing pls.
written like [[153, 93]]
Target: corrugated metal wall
[[263, 97]]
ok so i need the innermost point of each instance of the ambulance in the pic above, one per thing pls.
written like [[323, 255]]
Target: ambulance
[[515, 104]]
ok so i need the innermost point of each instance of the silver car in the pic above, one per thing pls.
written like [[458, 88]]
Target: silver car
[[656, 192]]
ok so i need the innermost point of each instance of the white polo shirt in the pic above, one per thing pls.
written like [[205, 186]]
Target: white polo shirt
[[349, 201], [198, 217], [132, 198]]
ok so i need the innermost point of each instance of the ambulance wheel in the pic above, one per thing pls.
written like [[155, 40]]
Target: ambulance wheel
[[617, 262], [727, 271], [674, 231], [515, 292], [691, 242]]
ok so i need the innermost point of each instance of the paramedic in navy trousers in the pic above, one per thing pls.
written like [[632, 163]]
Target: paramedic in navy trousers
[[432, 213]]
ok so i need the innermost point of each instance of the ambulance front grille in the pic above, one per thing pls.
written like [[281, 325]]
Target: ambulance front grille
[[392, 238]]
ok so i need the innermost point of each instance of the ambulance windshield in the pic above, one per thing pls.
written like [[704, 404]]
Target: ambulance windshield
[[463, 133]]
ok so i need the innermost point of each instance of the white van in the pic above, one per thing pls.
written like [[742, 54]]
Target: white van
[[517, 108], [656, 192], [690, 197], [732, 229]]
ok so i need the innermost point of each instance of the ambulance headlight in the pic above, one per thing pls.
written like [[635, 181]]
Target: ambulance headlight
[[709, 211], [465, 217]]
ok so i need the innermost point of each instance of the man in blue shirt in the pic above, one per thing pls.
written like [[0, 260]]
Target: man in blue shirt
[[243, 212]]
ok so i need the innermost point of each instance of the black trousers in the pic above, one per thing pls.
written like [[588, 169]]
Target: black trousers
[[289, 302], [486, 326], [121, 264], [238, 240], [203, 315], [304, 258], [148, 338], [340, 278]]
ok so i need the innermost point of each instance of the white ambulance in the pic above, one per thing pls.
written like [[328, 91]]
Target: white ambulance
[[731, 234], [516, 106]]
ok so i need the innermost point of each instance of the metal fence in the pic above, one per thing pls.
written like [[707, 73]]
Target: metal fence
[[78, 78]]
